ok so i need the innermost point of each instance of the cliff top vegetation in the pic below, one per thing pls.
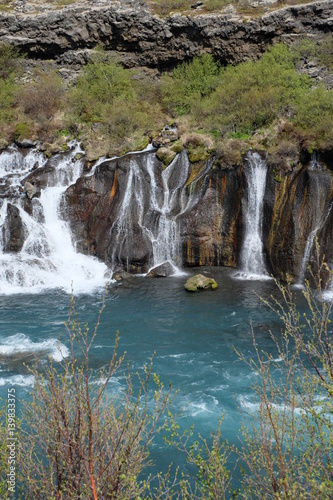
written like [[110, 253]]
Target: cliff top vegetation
[[159, 7], [260, 104]]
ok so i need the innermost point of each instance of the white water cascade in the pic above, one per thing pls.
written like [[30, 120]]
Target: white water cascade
[[320, 215], [252, 259], [47, 259], [153, 201]]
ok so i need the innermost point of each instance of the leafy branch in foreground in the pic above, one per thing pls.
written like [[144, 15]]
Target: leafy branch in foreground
[[80, 440], [288, 449]]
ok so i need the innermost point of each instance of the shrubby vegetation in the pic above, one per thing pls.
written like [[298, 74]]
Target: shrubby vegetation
[[114, 110]]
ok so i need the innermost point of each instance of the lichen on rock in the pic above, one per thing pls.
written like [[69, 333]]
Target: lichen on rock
[[200, 282]]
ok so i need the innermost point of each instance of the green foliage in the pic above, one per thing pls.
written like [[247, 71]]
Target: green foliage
[[9, 61], [102, 82], [107, 95], [22, 131], [189, 83], [9, 69], [252, 95], [314, 115]]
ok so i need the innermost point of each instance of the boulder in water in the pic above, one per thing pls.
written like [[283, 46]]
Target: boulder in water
[[200, 282], [122, 275], [161, 271]]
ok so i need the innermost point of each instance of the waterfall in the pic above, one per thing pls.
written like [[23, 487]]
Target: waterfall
[[47, 258], [319, 211], [152, 202], [252, 259]]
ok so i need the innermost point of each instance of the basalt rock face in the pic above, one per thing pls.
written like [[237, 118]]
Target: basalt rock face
[[296, 210], [133, 213], [143, 39], [210, 231]]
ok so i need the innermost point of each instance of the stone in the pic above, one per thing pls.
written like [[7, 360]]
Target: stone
[[25, 143], [122, 275], [144, 39], [13, 230], [200, 282], [162, 271], [165, 155], [30, 190]]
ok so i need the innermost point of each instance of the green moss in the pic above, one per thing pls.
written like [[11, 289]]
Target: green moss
[[22, 131], [165, 155], [177, 147], [200, 282]]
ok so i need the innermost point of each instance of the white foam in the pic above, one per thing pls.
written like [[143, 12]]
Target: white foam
[[21, 344], [20, 380], [48, 259]]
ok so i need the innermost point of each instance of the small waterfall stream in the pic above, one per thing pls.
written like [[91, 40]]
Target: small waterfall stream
[[252, 259], [320, 215], [152, 202], [47, 258]]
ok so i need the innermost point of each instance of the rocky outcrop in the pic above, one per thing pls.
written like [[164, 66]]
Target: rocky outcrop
[[131, 212], [13, 233], [143, 39]]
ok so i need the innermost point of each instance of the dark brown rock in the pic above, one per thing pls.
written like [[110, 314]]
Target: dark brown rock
[[162, 271], [295, 206], [144, 39], [13, 230]]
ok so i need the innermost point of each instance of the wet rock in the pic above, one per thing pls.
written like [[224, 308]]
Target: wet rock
[[165, 155], [31, 190], [13, 230], [162, 271], [200, 282], [295, 206], [122, 275], [25, 143]]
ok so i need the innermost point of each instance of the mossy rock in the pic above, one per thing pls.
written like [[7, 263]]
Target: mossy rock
[[177, 147], [165, 155], [200, 282], [198, 153]]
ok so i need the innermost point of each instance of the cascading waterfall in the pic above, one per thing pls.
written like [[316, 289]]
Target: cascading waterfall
[[166, 239], [319, 209], [252, 259], [152, 201], [47, 258]]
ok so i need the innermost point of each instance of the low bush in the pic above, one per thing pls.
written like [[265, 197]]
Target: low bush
[[189, 83], [41, 99]]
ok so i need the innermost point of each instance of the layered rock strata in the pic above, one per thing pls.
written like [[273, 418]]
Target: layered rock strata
[[144, 39]]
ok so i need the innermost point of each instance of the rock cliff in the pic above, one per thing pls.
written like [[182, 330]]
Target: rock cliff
[[144, 39]]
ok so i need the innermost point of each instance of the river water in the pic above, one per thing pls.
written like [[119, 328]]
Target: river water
[[193, 337]]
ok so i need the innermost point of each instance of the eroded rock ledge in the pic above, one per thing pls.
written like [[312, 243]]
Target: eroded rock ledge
[[143, 39]]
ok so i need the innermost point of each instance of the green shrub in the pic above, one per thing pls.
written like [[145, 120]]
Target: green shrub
[[189, 83], [102, 81], [22, 131], [314, 115], [252, 95]]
